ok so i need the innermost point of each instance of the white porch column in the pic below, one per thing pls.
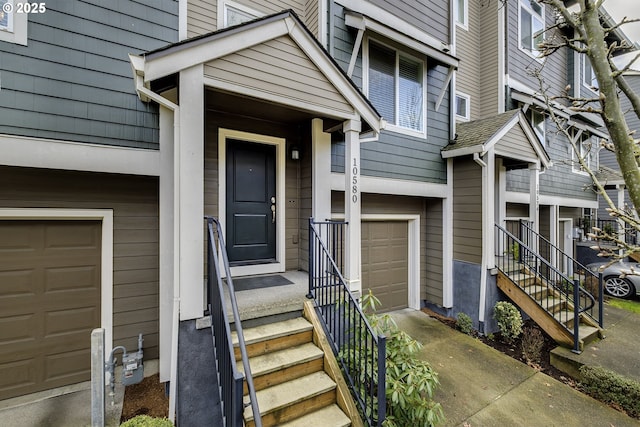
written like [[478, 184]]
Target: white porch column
[[352, 202], [534, 195], [320, 170], [554, 215], [189, 195]]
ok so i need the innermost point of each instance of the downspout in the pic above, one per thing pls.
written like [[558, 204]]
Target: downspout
[[148, 93], [483, 268]]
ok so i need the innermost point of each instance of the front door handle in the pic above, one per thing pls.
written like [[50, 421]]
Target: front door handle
[[273, 209]]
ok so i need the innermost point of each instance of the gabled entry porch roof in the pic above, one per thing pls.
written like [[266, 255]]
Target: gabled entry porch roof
[[276, 59], [478, 136]]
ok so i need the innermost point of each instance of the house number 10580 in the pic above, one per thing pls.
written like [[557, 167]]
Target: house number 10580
[[354, 182]]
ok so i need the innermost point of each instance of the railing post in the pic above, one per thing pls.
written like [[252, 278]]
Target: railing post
[[311, 258], [600, 300], [576, 316], [382, 378]]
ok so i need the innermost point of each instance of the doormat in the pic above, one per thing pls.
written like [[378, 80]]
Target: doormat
[[250, 283]]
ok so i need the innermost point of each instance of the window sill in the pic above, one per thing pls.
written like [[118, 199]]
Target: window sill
[[404, 131]]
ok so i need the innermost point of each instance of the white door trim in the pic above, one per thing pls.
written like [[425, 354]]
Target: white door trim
[[413, 254], [106, 277], [567, 240], [280, 144]]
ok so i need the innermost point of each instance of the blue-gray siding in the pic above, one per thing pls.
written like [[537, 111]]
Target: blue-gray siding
[[73, 81], [397, 155]]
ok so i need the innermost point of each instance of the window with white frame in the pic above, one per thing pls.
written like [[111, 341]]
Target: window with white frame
[[13, 26], [463, 104], [396, 87], [536, 118], [587, 146], [531, 26], [234, 13], [590, 79], [461, 13]]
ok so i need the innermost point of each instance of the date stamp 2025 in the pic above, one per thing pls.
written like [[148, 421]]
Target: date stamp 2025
[[25, 7]]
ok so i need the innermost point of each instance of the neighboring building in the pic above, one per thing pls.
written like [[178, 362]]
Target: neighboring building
[[79, 169]]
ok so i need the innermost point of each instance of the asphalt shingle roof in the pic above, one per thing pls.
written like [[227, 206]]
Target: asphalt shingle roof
[[477, 132]]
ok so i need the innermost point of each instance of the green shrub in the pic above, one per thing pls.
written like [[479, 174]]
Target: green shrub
[[410, 381], [509, 320], [464, 323], [147, 421], [610, 387]]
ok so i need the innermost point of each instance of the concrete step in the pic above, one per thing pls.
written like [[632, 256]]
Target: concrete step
[[331, 416], [538, 292], [293, 399], [553, 304], [284, 365], [274, 336]]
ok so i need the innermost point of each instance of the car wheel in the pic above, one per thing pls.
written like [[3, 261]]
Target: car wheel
[[618, 287]]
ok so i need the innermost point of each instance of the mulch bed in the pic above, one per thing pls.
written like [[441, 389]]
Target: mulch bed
[[146, 398]]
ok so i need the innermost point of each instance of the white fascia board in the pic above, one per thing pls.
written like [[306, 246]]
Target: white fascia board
[[371, 184], [172, 61], [466, 151], [524, 198], [66, 155], [391, 21]]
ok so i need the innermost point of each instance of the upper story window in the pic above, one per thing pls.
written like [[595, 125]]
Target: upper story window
[[395, 86], [13, 26], [531, 26], [587, 147], [463, 104], [461, 13], [536, 118], [232, 13], [589, 76]]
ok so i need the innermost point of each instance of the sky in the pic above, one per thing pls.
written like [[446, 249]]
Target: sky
[[618, 9]]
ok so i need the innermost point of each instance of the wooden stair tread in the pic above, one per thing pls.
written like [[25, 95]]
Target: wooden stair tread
[[273, 330], [278, 360], [330, 416], [287, 394]]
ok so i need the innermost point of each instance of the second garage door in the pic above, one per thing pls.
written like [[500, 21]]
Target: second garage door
[[49, 303], [385, 268]]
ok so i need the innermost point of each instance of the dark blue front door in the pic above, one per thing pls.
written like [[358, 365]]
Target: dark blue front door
[[251, 202]]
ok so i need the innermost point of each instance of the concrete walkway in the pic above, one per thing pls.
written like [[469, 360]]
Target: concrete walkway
[[480, 386]]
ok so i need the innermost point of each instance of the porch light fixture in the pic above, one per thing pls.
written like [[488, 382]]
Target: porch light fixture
[[295, 153]]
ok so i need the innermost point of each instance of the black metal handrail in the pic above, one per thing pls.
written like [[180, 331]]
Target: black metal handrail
[[230, 379], [347, 327], [610, 226], [564, 262], [517, 255]]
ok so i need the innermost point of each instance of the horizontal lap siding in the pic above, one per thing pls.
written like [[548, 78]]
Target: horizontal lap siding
[[433, 265], [489, 88], [73, 80], [311, 17], [134, 201], [201, 17], [278, 67], [431, 16], [467, 211], [515, 144], [469, 49]]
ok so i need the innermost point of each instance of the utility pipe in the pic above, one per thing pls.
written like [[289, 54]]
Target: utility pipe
[[142, 90]]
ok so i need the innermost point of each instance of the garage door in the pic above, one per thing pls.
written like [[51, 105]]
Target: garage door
[[49, 303], [385, 268]]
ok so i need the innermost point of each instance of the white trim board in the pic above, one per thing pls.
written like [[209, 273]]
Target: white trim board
[[517, 197], [280, 144], [106, 277], [373, 184], [413, 255], [66, 155]]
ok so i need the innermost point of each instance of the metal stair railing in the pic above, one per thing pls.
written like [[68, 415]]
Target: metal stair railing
[[230, 380], [562, 261], [518, 257], [346, 326]]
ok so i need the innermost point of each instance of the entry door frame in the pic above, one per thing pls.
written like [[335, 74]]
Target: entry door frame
[[567, 242], [280, 144]]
